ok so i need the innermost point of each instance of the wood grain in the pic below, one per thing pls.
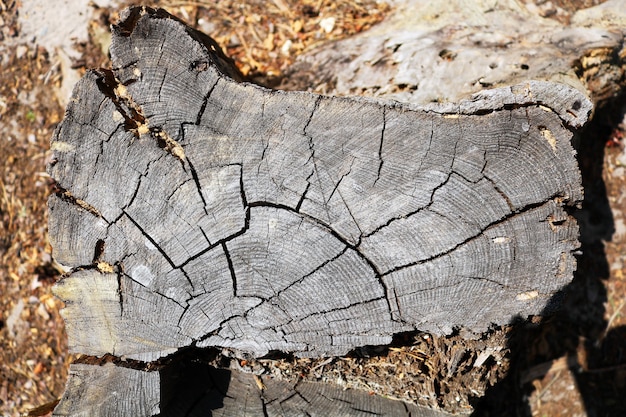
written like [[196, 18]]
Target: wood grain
[[196, 210], [191, 389]]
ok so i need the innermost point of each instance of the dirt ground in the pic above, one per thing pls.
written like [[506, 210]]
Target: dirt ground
[[570, 363]]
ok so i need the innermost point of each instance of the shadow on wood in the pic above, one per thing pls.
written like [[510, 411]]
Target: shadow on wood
[[193, 388], [576, 331]]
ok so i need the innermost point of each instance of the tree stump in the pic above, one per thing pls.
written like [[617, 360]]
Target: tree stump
[[193, 210]]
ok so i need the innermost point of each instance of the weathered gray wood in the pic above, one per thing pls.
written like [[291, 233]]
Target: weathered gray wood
[[229, 215], [196, 210], [245, 394], [109, 390], [196, 389], [429, 51]]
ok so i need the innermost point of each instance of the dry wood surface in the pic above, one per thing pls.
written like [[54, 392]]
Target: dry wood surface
[[195, 210]]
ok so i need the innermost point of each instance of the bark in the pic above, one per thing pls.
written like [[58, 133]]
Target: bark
[[195, 210]]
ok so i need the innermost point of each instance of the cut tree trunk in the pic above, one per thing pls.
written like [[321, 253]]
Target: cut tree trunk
[[186, 389], [197, 211]]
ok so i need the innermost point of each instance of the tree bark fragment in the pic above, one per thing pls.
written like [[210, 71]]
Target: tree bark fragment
[[195, 210]]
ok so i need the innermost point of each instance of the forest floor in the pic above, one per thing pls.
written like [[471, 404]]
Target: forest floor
[[569, 363]]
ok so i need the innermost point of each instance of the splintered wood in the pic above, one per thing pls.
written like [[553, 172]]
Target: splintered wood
[[196, 210]]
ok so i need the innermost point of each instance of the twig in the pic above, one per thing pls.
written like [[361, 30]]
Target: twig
[[614, 316], [544, 389]]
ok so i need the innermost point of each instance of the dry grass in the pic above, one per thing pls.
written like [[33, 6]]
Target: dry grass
[[32, 342]]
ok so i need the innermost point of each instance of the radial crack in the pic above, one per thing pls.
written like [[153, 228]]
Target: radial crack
[[306, 190], [502, 193], [380, 147], [151, 240], [412, 213], [332, 310], [493, 224], [205, 102], [194, 175], [131, 113], [230, 268], [67, 196], [120, 292], [339, 182], [299, 280], [165, 141]]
